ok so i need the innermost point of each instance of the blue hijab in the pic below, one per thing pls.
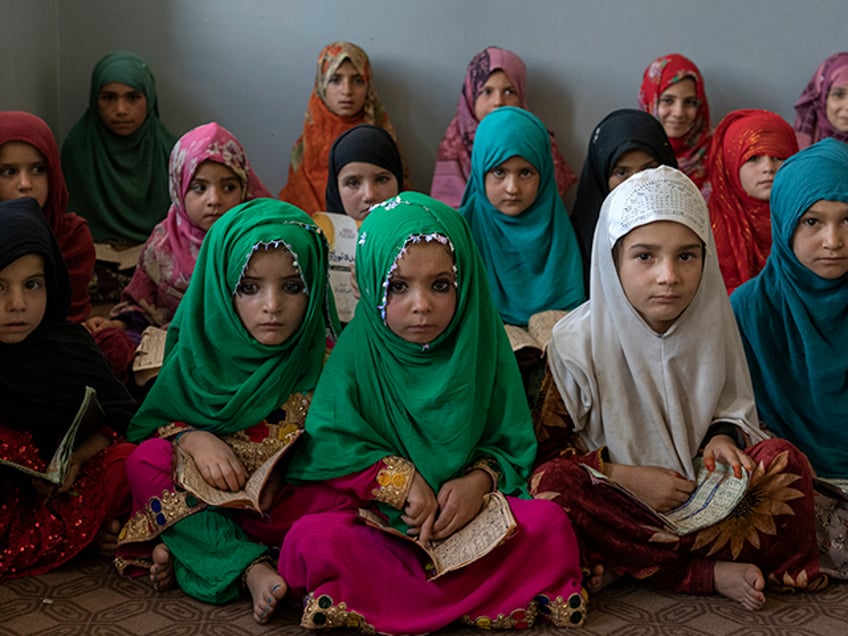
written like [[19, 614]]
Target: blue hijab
[[532, 260], [794, 323]]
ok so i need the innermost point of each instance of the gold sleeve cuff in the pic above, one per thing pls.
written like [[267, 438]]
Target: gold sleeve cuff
[[488, 466], [394, 481], [172, 429]]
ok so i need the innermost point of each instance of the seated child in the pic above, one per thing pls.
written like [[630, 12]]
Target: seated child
[[344, 95], [418, 414], [673, 92], [626, 141], [45, 365], [30, 167], [748, 147], [518, 220], [822, 109], [495, 77], [243, 354], [648, 376], [116, 156], [209, 174]]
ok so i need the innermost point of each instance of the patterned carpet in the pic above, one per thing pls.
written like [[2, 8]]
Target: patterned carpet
[[88, 597]]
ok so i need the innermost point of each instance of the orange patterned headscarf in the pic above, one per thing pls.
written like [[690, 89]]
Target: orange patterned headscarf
[[741, 223], [691, 149], [309, 156]]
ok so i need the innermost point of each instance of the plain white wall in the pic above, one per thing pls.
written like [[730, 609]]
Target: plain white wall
[[250, 64]]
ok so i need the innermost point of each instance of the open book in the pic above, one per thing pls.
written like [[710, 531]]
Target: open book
[[715, 496], [188, 475], [341, 231], [87, 419], [125, 257], [493, 525], [536, 337], [149, 355]]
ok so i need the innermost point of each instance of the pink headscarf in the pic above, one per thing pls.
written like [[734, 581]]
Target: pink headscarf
[[167, 261], [811, 122], [453, 160]]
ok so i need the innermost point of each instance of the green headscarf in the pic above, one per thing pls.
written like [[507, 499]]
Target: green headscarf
[[119, 184], [216, 376], [442, 405]]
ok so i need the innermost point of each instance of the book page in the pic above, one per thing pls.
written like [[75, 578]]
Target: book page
[[124, 257], [149, 354], [541, 326], [520, 338], [341, 231]]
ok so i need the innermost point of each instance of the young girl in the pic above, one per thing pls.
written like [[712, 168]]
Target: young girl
[[344, 96], [116, 157], [822, 109], [209, 174], [30, 167], [518, 220], [793, 319], [673, 92], [495, 77], [243, 354], [45, 365], [420, 412], [650, 375], [626, 141], [747, 148]]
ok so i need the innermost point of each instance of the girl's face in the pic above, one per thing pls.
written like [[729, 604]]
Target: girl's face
[[271, 299], [628, 164], [496, 92], [821, 239], [213, 190], [837, 107], [23, 172], [362, 185], [346, 91], [678, 108], [122, 108], [757, 175], [659, 266], [23, 298], [512, 186], [422, 293]]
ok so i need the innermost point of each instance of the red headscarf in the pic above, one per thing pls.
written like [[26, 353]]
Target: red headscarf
[[71, 231], [691, 149], [741, 223]]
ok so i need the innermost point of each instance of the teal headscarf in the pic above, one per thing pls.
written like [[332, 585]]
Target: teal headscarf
[[119, 184], [532, 260], [442, 405], [794, 323], [216, 376]]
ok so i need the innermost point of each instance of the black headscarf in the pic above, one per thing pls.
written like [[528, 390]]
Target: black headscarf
[[365, 143], [619, 132], [43, 378]]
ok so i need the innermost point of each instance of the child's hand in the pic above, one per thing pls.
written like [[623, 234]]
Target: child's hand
[[420, 509], [722, 448], [99, 323], [661, 488], [459, 501], [216, 461]]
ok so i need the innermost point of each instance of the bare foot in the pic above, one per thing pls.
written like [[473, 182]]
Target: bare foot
[[106, 540], [162, 570], [741, 582], [598, 578], [266, 587]]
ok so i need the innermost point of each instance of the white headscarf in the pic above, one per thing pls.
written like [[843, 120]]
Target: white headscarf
[[649, 397]]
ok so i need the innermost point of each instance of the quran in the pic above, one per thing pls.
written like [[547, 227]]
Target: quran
[[534, 339]]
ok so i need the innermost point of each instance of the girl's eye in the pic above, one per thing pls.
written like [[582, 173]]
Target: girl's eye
[[383, 179], [230, 187], [247, 288], [509, 91], [688, 256], [621, 173], [486, 91], [442, 285], [667, 100], [351, 183], [335, 79], [8, 172], [293, 287], [691, 102], [527, 173], [39, 169], [838, 93], [359, 81], [397, 287], [809, 221], [197, 188], [497, 173], [643, 257], [33, 284], [753, 159]]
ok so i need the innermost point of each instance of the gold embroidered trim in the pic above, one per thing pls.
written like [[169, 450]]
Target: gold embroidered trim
[[320, 613], [488, 466], [122, 564], [394, 481], [174, 428], [160, 513], [566, 613], [570, 613]]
